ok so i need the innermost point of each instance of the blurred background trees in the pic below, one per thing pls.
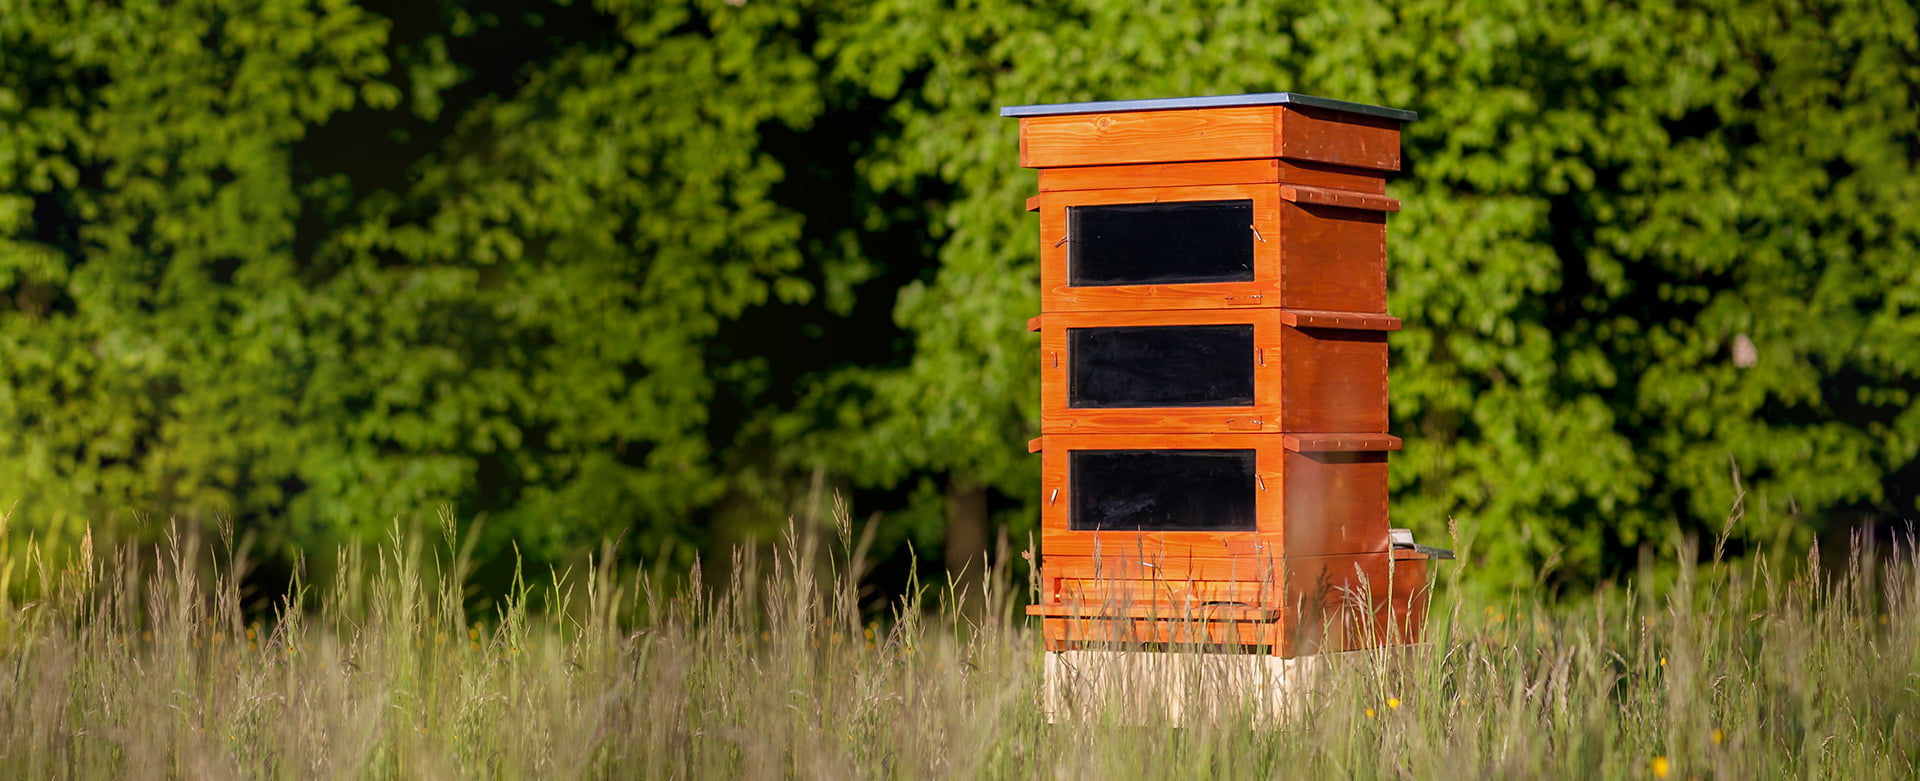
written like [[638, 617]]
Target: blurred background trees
[[673, 271]]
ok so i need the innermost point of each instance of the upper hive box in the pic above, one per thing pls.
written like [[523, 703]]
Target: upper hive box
[[1269, 200], [1224, 127]]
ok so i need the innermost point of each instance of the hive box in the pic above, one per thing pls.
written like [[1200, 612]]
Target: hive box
[[1206, 499], [1301, 605], [1274, 125], [1215, 245], [1213, 371], [1247, 200]]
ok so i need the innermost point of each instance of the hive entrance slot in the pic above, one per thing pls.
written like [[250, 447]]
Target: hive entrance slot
[[1182, 242], [1162, 490], [1160, 366]]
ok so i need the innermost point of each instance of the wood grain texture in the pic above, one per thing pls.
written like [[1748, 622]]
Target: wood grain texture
[[1328, 603], [1127, 608], [1067, 633], [1333, 258], [1305, 380], [1129, 177], [1172, 597], [1321, 318], [1305, 256], [1236, 133], [1334, 443], [1327, 175], [1342, 139], [1117, 563], [1336, 503], [1345, 603], [1122, 177], [1296, 133], [1332, 380], [1335, 196]]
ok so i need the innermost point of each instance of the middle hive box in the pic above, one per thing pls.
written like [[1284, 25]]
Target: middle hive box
[[1213, 370]]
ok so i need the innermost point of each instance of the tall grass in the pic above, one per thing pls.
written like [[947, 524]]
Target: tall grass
[[128, 664]]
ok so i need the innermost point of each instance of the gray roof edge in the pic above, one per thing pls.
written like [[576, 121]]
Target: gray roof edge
[[1210, 101]]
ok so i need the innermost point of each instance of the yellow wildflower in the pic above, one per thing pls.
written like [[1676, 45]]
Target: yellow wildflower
[[1661, 767]]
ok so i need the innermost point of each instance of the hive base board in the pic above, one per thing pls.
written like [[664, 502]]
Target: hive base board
[[1141, 688], [1394, 619]]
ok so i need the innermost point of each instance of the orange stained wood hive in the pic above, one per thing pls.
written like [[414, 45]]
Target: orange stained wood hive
[[1214, 374]]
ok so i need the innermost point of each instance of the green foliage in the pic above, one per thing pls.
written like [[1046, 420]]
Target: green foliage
[[1600, 202], [579, 269], [147, 220], [226, 297]]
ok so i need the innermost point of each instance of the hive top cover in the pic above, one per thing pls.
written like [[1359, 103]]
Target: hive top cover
[[1210, 101]]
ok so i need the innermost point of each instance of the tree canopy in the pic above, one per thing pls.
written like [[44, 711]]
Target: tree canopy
[[646, 268]]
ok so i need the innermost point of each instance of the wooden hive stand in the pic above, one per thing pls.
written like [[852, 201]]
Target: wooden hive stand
[[1213, 365]]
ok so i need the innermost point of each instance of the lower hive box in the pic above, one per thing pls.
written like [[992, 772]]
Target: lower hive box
[[1213, 496], [1287, 607], [1275, 542]]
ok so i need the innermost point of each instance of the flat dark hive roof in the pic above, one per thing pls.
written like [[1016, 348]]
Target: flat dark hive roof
[[1211, 101]]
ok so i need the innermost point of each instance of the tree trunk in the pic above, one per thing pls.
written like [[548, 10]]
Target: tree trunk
[[967, 545]]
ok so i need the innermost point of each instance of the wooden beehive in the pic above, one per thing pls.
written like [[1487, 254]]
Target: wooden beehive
[[1214, 373]]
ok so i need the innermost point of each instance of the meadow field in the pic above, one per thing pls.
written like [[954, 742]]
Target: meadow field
[[145, 662]]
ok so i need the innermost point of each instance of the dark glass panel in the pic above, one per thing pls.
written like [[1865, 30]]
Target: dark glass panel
[[1161, 243], [1160, 366], [1162, 490]]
